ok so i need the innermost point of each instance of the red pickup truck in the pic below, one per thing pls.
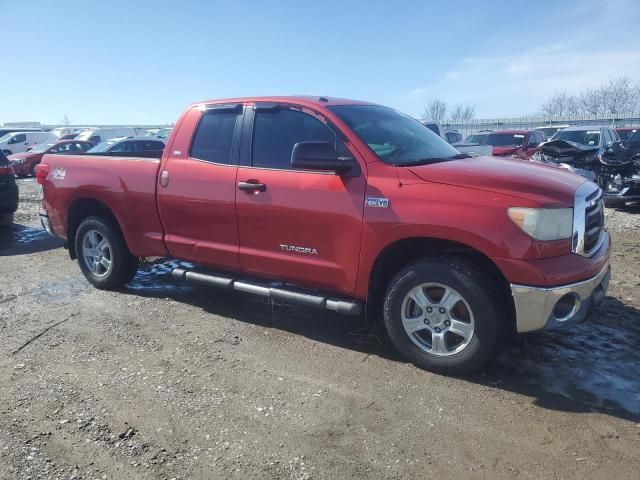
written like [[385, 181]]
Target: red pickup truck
[[347, 206]]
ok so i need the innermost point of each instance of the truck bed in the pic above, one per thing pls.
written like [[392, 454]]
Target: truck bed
[[125, 185]]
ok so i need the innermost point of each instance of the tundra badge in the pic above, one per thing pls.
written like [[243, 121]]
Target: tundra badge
[[377, 202], [293, 248]]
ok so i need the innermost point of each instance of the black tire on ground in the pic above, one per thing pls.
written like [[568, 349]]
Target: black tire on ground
[[481, 293], [615, 204], [6, 220], [7, 152], [122, 265]]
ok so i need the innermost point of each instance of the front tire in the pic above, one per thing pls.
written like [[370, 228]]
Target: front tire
[[444, 315], [103, 255]]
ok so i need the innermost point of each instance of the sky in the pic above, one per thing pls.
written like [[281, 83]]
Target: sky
[[142, 62]]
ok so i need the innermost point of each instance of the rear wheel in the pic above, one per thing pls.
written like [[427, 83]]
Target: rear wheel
[[444, 315], [6, 220], [103, 255], [7, 152]]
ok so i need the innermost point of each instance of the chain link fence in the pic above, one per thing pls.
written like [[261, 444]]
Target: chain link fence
[[528, 123]]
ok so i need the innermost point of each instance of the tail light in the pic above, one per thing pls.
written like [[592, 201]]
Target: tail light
[[4, 170], [42, 170]]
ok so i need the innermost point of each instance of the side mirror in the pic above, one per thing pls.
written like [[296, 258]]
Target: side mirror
[[319, 156]]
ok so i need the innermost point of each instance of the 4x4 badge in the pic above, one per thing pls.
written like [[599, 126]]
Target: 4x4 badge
[[376, 202]]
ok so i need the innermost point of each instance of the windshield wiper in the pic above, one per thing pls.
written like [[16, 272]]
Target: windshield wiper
[[428, 160]]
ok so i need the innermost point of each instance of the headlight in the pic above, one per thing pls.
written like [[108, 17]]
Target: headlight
[[13, 162], [542, 223]]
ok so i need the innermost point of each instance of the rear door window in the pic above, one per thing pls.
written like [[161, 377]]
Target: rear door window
[[213, 139], [276, 132]]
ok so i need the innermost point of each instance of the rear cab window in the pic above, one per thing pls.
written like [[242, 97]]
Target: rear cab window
[[213, 139]]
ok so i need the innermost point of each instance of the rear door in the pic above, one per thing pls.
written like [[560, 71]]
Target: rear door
[[299, 226], [197, 189]]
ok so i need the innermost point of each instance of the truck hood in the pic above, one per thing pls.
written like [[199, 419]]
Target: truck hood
[[540, 183]]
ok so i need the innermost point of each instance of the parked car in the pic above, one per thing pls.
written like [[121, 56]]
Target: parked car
[[454, 137], [625, 133], [5, 130], [476, 138], [130, 144], [61, 132], [344, 205], [24, 164], [17, 142], [514, 143], [99, 135], [551, 130], [451, 136], [163, 133], [473, 145], [8, 193], [597, 154]]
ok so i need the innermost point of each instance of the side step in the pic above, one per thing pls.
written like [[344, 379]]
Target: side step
[[346, 307]]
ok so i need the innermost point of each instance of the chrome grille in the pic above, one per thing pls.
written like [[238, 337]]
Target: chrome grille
[[588, 220], [593, 226]]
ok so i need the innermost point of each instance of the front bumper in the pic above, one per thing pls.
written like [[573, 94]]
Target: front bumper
[[537, 307]]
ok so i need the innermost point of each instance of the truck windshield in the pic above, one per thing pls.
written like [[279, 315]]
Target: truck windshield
[[505, 139], [394, 137]]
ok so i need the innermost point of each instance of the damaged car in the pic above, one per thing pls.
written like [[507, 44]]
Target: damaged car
[[595, 153]]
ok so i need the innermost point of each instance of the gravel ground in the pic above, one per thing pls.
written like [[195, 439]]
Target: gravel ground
[[165, 380]]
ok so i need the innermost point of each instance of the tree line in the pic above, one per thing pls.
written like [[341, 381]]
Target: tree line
[[619, 95]]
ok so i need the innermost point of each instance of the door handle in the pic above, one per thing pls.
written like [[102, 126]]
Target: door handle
[[164, 178], [252, 186]]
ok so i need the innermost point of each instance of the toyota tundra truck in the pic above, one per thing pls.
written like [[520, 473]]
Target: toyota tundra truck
[[346, 206]]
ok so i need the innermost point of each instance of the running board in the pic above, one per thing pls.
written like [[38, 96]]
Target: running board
[[346, 307]]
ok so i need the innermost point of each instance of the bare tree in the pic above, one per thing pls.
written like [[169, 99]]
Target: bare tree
[[435, 110], [64, 120], [462, 113], [617, 96], [561, 103]]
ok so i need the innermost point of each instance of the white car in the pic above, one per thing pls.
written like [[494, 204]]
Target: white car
[[99, 135], [67, 131], [18, 142]]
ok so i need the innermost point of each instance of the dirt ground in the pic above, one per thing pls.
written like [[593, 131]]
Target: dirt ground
[[165, 380]]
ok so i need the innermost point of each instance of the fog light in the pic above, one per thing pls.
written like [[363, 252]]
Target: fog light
[[565, 307]]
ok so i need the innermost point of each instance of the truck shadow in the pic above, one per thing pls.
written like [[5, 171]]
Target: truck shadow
[[22, 240], [593, 367]]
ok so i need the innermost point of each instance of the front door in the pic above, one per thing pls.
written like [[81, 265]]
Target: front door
[[297, 226], [197, 188]]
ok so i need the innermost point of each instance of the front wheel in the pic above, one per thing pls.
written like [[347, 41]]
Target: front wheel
[[7, 153], [444, 315], [103, 255]]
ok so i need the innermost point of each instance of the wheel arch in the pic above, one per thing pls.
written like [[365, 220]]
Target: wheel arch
[[82, 208], [400, 253]]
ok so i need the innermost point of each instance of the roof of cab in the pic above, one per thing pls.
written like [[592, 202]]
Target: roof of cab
[[308, 100]]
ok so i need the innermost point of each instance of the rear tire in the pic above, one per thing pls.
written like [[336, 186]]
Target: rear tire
[[103, 255], [6, 220], [7, 152], [445, 315]]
